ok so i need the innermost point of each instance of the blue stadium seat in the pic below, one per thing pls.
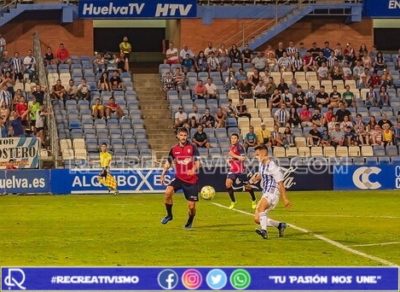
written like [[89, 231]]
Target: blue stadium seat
[[231, 123]]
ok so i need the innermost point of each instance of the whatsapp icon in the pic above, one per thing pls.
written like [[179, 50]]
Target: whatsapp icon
[[240, 279]]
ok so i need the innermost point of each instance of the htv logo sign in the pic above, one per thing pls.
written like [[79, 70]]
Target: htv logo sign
[[164, 10]]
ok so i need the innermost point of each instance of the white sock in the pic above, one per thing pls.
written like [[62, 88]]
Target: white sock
[[263, 220], [273, 223]]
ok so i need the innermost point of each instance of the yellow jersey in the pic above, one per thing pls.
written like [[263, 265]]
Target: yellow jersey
[[125, 47], [387, 135], [105, 159]]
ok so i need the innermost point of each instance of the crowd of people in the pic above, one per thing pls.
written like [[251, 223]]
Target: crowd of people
[[22, 112], [327, 115]]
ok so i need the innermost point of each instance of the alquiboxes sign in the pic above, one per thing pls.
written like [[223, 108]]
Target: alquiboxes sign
[[137, 9], [382, 8]]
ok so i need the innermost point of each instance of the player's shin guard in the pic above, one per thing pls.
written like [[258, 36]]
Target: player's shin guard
[[191, 214], [231, 194]]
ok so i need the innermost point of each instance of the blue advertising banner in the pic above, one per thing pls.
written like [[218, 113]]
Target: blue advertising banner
[[65, 181], [25, 181], [369, 177], [211, 278], [137, 9], [382, 8]]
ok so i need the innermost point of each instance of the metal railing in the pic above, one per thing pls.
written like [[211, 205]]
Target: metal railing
[[51, 122]]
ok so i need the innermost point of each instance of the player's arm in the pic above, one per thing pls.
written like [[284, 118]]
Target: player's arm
[[167, 165], [241, 156]]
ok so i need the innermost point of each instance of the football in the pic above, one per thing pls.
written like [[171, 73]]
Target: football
[[207, 192]]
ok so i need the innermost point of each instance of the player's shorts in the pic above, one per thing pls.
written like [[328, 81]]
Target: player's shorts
[[239, 179], [272, 199], [103, 173], [191, 191]]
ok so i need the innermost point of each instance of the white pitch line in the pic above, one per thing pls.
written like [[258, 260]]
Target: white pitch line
[[325, 239], [342, 216], [378, 244]]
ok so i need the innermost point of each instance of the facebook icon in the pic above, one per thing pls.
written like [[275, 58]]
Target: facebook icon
[[168, 279]]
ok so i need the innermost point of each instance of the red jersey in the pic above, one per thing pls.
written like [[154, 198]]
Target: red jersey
[[236, 166], [184, 158], [20, 108]]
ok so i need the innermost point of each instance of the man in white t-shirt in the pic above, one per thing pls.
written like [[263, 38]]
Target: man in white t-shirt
[[185, 51], [3, 44], [211, 88], [172, 56], [180, 118], [29, 64]]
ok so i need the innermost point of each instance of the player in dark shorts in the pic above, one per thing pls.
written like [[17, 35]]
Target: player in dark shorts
[[238, 172], [184, 158]]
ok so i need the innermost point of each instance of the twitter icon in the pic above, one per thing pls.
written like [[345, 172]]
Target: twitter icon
[[216, 279]]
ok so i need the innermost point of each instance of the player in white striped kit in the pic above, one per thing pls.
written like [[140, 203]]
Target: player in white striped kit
[[272, 188]]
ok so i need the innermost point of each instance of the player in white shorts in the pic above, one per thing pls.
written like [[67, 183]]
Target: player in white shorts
[[272, 188]]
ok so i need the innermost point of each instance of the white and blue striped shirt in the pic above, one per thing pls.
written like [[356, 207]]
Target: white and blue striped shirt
[[270, 177]]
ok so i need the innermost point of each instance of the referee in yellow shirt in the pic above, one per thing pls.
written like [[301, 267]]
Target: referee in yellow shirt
[[105, 177]]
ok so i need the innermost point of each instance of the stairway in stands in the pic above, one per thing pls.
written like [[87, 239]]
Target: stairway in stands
[[156, 114]]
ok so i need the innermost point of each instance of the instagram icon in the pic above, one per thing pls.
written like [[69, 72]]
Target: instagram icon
[[192, 279]]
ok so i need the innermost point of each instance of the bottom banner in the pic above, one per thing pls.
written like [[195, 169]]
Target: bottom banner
[[211, 278]]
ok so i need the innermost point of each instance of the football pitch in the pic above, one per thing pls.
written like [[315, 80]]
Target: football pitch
[[327, 228]]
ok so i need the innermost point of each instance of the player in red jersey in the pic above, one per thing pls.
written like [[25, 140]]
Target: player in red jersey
[[237, 173], [184, 157]]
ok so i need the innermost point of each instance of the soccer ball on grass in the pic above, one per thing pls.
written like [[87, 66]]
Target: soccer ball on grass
[[207, 192]]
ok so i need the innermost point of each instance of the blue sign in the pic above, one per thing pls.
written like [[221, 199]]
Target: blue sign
[[67, 181], [137, 9], [382, 8], [25, 181], [368, 177], [143, 278]]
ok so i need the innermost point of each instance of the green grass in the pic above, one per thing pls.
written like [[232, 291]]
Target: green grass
[[126, 230]]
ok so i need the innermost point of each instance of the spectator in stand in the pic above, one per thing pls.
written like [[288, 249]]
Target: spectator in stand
[[337, 136], [287, 138], [9, 81], [341, 113], [245, 89], [270, 87], [112, 107], [365, 79], [348, 97], [321, 59], [276, 137], [200, 138], [211, 89], [3, 129], [58, 91], [314, 50], [276, 99], [242, 109], [180, 118], [104, 82], [186, 52], [260, 91], [222, 49], [332, 124], [62, 55], [346, 123], [294, 119], [387, 135], [384, 99], [230, 81], [168, 82], [220, 118], [11, 165], [287, 98], [213, 62], [363, 135], [207, 120], [387, 78], [209, 49], [272, 62], [371, 98], [224, 62], [179, 79], [194, 114], [201, 62], [280, 50], [350, 137], [38, 91], [259, 62], [33, 107], [97, 109], [379, 62], [284, 63], [246, 54], [17, 66], [317, 118], [116, 81], [397, 133], [29, 65], [323, 72], [3, 45], [297, 62], [199, 90], [299, 97], [385, 120], [305, 117], [39, 125], [263, 135], [282, 85], [302, 50], [72, 90], [376, 135], [241, 75], [372, 123], [4, 112], [21, 109], [171, 55], [254, 78], [49, 57], [125, 48], [235, 55], [99, 62], [335, 97], [375, 80], [281, 116], [315, 137], [188, 64], [250, 140], [308, 62], [231, 110], [83, 91]]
